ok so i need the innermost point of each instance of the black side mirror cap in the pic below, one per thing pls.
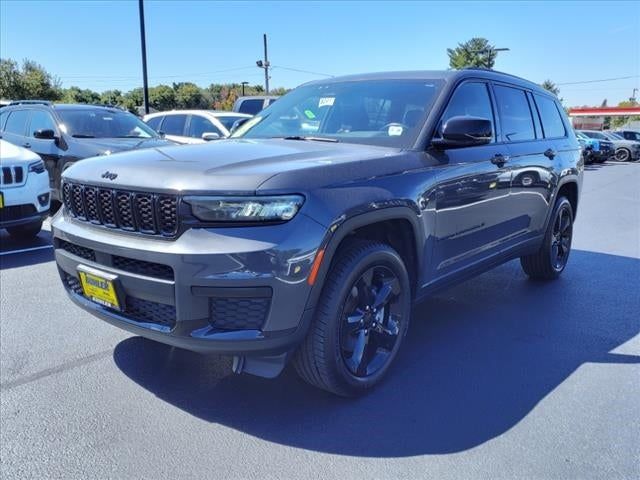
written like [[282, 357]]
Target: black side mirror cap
[[45, 134], [465, 131]]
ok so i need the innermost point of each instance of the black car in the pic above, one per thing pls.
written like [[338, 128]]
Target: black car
[[633, 135], [63, 134], [310, 241]]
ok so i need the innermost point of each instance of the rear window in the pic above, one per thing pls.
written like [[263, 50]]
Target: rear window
[[552, 123], [515, 114], [251, 106], [17, 122], [174, 124]]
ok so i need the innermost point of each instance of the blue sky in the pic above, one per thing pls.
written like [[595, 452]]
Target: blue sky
[[95, 44]]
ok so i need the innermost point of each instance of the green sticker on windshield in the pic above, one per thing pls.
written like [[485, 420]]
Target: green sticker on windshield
[[310, 115]]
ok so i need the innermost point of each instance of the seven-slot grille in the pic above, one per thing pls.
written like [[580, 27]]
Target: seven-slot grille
[[153, 214], [12, 176]]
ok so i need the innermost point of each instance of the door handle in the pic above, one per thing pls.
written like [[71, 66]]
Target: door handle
[[26, 145], [499, 159], [550, 153]]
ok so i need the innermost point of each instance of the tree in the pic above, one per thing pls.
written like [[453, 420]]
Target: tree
[[617, 122], [188, 95], [162, 97], [477, 52], [78, 95], [112, 97], [30, 82], [550, 86]]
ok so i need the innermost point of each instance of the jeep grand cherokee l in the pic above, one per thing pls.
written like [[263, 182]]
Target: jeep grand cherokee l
[[309, 241]]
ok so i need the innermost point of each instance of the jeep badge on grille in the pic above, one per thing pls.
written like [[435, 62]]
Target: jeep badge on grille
[[109, 175]]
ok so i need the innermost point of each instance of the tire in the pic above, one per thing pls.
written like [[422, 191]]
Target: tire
[[348, 327], [552, 257], [623, 155], [25, 232]]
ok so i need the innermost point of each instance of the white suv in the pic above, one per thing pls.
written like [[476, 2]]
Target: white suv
[[24, 191], [194, 126]]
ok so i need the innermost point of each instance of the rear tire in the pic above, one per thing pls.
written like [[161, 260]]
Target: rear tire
[[552, 257], [25, 232], [355, 335], [623, 155]]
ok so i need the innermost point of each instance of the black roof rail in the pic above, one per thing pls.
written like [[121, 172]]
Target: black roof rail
[[31, 102]]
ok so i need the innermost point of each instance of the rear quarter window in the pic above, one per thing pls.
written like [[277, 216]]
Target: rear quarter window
[[552, 123], [515, 115]]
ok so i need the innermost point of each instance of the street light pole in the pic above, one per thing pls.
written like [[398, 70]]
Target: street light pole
[[265, 64], [143, 43], [243, 84]]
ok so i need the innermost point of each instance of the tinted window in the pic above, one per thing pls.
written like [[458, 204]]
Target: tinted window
[[387, 112], [174, 124], [103, 123], [154, 122], [200, 125], [552, 123], [270, 101], [228, 121], [469, 99], [17, 122], [515, 114], [597, 135], [41, 120], [251, 106]]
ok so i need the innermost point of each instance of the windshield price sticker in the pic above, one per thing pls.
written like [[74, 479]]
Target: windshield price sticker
[[326, 101], [394, 131]]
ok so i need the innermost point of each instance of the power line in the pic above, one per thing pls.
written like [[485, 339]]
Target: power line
[[126, 77], [303, 71], [601, 80]]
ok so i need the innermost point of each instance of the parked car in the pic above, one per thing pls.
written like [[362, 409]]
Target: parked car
[[63, 134], [194, 126], [24, 191], [276, 246], [253, 105], [625, 149], [603, 148], [629, 134]]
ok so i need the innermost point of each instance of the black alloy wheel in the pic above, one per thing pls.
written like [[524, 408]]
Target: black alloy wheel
[[561, 238]]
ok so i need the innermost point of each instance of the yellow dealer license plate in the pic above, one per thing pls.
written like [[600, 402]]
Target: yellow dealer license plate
[[99, 286], [1, 200]]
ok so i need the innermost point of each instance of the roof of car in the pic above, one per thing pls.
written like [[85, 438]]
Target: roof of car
[[61, 106], [446, 75], [215, 113]]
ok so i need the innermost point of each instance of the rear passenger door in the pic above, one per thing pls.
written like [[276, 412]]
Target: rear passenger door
[[532, 158]]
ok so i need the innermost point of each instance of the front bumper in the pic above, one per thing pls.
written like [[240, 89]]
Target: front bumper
[[26, 203], [210, 290]]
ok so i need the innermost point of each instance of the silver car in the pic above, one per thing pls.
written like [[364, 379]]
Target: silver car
[[625, 149]]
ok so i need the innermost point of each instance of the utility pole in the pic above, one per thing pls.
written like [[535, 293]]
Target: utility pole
[[143, 43], [265, 64]]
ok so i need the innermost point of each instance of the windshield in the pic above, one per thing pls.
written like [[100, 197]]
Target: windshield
[[103, 123], [596, 135], [228, 121], [373, 112]]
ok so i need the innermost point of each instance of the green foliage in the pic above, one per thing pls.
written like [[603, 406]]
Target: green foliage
[[617, 122], [77, 95], [162, 97], [30, 82], [189, 95], [550, 86], [477, 52]]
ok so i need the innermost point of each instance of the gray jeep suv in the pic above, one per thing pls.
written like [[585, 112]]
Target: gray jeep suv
[[309, 235]]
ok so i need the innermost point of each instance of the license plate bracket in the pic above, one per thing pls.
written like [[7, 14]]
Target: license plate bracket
[[101, 287]]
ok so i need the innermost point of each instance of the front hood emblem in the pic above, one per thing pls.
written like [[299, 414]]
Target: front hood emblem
[[109, 175]]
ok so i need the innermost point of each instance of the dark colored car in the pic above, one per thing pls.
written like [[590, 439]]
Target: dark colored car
[[629, 134], [310, 241], [602, 149], [63, 134]]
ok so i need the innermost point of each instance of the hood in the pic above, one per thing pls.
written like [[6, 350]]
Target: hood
[[13, 155], [91, 147], [234, 165]]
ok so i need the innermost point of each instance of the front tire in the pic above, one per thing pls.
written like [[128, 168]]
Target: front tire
[[623, 155], [25, 232], [550, 261], [360, 321]]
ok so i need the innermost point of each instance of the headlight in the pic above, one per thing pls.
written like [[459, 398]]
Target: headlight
[[245, 209], [37, 167]]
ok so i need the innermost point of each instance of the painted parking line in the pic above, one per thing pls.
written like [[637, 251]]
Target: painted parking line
[[42, 247]]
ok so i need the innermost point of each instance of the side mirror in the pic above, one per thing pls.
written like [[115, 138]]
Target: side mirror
[[238, 123], [45, 134], [208, 136], [464, 131], [162, 134]]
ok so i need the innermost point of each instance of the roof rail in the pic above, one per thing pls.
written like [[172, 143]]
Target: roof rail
[[31, 102]]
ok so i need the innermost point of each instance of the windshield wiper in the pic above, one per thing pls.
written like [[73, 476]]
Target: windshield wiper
[[130, 136], [82, 135], [309, 139]]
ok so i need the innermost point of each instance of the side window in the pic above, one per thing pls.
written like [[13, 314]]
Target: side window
[[470, 99], [17, 122], [174, 124], [200, 125], [41, 120], [515, 115], [552, 123], [154, 122], [251, 106], [3, 118]]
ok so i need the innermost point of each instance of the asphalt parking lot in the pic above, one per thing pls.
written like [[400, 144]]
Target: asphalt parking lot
[[501, 377]]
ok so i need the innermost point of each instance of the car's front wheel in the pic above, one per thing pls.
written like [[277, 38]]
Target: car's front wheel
[[623, 155], [360, 321], [550, 261], [25, 232]]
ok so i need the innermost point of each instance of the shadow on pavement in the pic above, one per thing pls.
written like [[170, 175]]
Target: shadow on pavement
[[12, 256], [477, 360]]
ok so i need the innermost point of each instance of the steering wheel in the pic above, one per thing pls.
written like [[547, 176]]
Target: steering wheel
[[394, 124]]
